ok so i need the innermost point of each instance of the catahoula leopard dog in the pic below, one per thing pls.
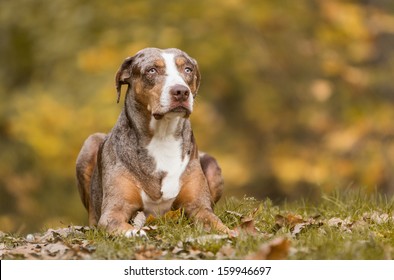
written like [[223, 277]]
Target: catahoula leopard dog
[[149, 163]]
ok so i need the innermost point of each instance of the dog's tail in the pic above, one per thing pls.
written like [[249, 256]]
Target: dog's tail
[[86, 163]]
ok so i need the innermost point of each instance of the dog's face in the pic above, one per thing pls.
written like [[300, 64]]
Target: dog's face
[[163, 81]]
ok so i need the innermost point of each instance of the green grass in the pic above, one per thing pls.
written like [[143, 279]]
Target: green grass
[[345, 225]]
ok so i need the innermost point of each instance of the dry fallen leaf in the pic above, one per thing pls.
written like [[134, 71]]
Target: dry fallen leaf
[[247, 226], [280, 222], [52, 235], [335, 222], [298, 228], [149, 228], [344, 225], [148, 252], [234, 213], [294, 222], [276, 249], [150, 219], [173, 215], [177, 250], [292, 219], [380, 218], [51, 245], [227, 251], [55, 249], [207, 238]]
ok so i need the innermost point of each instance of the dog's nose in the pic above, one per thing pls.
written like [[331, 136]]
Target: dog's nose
[[180, 92]]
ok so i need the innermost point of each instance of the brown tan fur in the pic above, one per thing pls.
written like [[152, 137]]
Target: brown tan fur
[[114, 170]]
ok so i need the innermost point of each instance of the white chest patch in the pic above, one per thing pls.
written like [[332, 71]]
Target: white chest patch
[[167, 153]]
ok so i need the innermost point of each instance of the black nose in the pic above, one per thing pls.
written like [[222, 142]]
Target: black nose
[[180, 92]]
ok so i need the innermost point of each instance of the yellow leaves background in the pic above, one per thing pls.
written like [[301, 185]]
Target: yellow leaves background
[[296, 96]]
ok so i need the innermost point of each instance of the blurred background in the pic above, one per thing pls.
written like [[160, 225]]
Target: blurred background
[[297, 97]]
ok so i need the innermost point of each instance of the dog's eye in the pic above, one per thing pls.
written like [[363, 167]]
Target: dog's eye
[[188, 70], [152, 71]]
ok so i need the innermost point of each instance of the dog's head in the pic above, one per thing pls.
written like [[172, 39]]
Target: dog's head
[[163, 81]]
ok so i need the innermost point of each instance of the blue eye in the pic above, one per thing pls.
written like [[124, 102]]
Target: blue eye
[[188, 70], [152, 71]]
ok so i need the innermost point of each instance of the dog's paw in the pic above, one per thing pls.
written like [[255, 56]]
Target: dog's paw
[[142, 233], [232, 233], [136, 233]]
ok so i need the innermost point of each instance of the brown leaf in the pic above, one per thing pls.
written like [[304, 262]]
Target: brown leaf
[[56, 249], [177, 250], [227, 251], [280, 221], [52, 244], [292, 219], [150, 228], [335, 222], [195, 253], [247, 226], [295, 222], [380, 218], [52, 235], [305, 224], [173, 215], [148, 252], [276, 249], [298, 228], [87, 247], [150, 219], [344, 225], [207, 238]]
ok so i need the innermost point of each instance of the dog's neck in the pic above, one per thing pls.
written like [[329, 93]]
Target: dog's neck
[[162, 147], [141, 121], [169, 126]]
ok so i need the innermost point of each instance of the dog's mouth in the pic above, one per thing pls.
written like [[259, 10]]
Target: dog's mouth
[[176, 109]]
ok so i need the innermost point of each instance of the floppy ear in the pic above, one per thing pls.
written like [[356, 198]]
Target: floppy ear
[[123, 76], [198, 76]]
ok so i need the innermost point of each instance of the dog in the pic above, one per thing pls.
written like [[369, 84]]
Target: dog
[[150, 162]]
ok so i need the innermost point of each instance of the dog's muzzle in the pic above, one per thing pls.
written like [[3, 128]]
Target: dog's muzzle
[[179, 102]]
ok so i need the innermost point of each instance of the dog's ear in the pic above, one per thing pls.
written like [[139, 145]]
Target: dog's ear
[[197, 76], [123, 76]]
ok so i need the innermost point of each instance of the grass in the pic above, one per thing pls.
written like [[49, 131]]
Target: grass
[[345, 225]]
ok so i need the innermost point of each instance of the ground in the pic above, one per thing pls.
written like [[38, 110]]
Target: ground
[[349, 225]]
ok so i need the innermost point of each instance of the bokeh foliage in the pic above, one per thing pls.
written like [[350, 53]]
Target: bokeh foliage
[[297, 97]]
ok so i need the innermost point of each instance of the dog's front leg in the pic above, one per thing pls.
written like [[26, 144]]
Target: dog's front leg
[[121, 201], [195, 198]]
